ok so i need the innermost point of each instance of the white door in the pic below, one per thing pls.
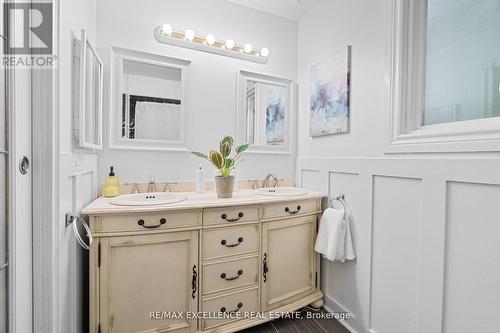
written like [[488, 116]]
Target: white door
[[3, 199], [16, 89]]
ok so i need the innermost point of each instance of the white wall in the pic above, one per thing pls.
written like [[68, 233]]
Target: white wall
[[77, 171], [425, 226], [129, 24]]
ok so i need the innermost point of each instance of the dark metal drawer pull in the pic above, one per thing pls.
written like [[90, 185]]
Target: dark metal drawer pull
[[292, 211], [224, 217], [141, 222], [240, 305], [224, 242], [223, 276]]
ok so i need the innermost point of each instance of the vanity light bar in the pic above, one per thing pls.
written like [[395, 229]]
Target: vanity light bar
[[167, 35]]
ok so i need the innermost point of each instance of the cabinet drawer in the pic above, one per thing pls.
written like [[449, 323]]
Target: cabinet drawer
[[230, 241], [235, 304], [229, 274], [290, 209], [230, 215], [142, 222]]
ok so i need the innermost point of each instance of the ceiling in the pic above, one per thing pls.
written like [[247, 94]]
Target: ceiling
[[290, 9]]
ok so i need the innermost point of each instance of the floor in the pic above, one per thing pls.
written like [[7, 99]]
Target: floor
[[300, 325]]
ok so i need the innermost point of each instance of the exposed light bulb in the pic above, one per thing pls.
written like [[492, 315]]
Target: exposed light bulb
[[229, 44], [247, 48], [264, 52], [167, 29], [210, 39], [189, 34]]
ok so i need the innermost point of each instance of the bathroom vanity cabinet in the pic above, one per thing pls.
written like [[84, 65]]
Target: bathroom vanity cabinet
[[176, 267]]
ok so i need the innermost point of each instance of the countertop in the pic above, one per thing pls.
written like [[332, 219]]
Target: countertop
[[101, 205]]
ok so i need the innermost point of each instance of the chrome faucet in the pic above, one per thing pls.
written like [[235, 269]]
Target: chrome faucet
[[266, 180], [151, 184]]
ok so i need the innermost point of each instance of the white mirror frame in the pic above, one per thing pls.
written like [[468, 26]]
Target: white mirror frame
[[288, 148], [81, 49], [116, 141]]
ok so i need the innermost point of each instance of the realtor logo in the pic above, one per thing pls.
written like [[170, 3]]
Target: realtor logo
[[29, 30], [33, 24]]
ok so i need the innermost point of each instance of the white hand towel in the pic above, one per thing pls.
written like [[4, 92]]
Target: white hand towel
[[334, 239]]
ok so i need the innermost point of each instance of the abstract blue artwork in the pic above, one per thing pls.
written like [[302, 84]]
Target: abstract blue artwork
[[275, 99], [329, 100]]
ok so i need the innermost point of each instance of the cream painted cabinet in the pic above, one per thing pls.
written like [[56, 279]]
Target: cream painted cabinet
[[288, 260], [141, 277], [222, 263]]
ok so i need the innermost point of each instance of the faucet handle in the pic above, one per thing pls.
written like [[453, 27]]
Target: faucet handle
[[167, 187]]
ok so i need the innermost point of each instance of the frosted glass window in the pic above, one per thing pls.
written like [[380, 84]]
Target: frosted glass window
[[462, 63]]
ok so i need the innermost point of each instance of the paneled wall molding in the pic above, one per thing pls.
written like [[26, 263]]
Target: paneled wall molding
[[407, 218]]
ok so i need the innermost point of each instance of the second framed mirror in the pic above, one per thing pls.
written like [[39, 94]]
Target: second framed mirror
[[265, 117]]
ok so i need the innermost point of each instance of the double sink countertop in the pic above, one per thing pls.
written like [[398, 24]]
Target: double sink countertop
[[102, 205]]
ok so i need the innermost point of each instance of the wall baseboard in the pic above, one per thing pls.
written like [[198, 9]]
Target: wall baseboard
[[334, 307]]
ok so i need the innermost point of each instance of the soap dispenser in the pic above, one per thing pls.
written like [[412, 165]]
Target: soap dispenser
[[200, 181], [111, 186]]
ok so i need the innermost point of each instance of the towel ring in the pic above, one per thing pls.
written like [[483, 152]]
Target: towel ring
[[74, 219], [341, 199]]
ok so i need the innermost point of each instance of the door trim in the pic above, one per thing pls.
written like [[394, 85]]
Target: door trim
[[45, 170]]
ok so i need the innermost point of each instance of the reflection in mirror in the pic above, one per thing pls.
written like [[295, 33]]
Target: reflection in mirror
[[266, 103], [250, 112], [88, 87], [151, 101], [92, 93], [265, 112]]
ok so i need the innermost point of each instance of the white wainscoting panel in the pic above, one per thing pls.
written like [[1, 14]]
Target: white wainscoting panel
[[342, 289], [395, 242], [427, 240], [311, 179], [472, 262]]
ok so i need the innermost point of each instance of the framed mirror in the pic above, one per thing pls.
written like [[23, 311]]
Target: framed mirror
[[265, 115], [88, 92], [149, 109]]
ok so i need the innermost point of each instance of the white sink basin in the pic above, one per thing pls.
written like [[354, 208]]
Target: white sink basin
[[147, 199], [281, 191]]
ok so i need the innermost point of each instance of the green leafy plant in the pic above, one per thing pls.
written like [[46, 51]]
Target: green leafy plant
[[220, 158]]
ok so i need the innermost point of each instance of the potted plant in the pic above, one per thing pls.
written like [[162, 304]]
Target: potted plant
[[220, 159]]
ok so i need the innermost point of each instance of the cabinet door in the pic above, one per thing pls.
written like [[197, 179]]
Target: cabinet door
[[144, 277], [288, 261]]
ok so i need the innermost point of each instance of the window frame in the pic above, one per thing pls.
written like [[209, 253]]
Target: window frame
[[405, 79]]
